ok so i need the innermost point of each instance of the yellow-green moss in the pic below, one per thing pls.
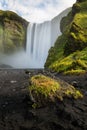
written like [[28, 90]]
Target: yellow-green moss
[[76, 94], [44, 89], [44, 85], [64, 56], [56, 52], [75, 63], [75, 72]]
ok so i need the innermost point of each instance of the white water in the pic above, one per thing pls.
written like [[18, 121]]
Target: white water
[[40, 38], [38, 43]]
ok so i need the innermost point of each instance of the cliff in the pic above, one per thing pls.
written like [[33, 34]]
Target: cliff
[[12, 32], [69, 54]]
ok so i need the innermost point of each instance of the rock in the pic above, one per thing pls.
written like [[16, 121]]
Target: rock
[[6, 103], [44, 90], [75, 84], [81, 0], [12, 32], [5, 66], [13, 112], [85, 93], [13, 81], [13, 89], [67, 54]]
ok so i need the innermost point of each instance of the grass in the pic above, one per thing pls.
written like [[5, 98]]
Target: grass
[[11, 15]]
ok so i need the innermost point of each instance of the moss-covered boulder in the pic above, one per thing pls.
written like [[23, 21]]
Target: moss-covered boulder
[[70, 50], [12, 32], [44, 90]]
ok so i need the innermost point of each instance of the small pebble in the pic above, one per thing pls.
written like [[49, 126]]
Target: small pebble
[[75, 83], [13, 89], [13, 112], [85, 93], [6, 103], [6, 117], [13, 81]]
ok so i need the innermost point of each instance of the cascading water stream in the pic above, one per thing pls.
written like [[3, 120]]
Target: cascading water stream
[[40, 38], [38, 43]]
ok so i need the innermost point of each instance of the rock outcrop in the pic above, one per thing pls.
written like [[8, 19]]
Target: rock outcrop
[[70, 50], [12, 32], [44, 90]]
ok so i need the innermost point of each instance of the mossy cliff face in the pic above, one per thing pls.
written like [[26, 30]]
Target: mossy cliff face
[[12, 32], [69, 54]]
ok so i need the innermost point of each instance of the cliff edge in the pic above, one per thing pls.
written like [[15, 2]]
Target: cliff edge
[[12, 32]]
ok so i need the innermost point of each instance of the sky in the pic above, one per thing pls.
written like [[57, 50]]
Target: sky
[[36, 10]]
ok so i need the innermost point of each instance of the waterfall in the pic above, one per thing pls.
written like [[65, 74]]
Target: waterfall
[[38, 43], [40, 38]]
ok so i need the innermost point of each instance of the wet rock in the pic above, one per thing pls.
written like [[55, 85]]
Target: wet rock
[[85, 93], [6, 103], [13, 89], [44, 90], [13, 81], [75, 84]]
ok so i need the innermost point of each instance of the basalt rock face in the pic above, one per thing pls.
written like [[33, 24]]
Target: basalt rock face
[[12, 32]]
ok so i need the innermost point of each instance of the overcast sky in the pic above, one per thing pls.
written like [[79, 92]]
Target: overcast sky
[[36, 10]]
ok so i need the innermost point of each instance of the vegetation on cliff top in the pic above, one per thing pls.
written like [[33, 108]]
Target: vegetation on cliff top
[[70, 50], [12, 32], [44, 90]]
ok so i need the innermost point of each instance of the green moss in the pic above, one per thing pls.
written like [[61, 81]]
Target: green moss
[[73, 35], [44, 90], [76, 94], [12, 16], [75, 72], [34, 105], [65, 22], [44, 85], [56, 52], [62, 58], [12, 32], [77, 37], [75, 63], [1, 38]]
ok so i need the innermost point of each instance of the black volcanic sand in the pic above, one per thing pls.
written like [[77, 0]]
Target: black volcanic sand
[[16, 112]]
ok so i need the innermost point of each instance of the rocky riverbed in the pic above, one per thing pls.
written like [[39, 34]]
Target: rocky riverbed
[[16, 112]]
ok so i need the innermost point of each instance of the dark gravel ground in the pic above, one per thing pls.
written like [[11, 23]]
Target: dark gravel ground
[[16, 112]]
